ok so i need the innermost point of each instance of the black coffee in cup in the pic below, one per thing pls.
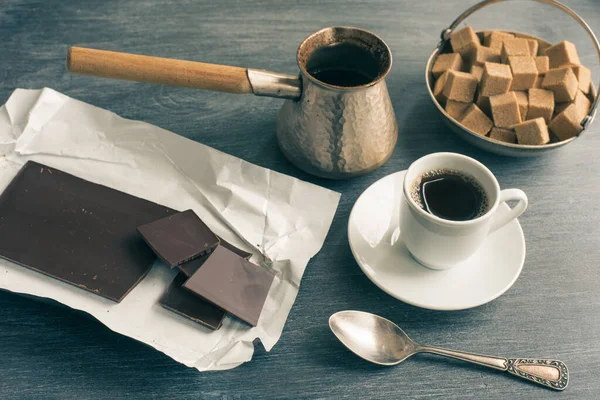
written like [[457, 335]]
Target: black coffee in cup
[[450, 194]]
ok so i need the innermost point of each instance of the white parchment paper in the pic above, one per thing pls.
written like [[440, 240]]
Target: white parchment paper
[[256, 209]]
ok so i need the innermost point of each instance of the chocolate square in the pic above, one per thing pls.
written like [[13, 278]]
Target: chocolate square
[[76, 231], [179, 238], [188, 305], [232, 283]]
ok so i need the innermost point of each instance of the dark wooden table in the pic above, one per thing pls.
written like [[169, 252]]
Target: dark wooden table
[[553, 310]]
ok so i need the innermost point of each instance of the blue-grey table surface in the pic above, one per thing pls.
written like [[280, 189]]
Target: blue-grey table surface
[[552, 311]]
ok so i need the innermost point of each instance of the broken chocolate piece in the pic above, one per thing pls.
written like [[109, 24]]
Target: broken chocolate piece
[[232, 283], [179, 238], [76, 231], [188, 305]]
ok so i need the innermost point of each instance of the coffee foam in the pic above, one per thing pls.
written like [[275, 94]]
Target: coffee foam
[[415, 192]]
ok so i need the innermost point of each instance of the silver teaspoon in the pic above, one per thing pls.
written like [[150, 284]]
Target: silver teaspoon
[[380, 341]]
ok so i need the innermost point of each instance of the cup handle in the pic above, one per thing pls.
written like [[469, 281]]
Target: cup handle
[[508, 195]]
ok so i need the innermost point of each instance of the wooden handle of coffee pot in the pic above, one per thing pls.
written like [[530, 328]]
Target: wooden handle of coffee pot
[[134, 67]]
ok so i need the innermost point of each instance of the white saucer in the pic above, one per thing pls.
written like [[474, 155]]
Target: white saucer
[[374, 237]]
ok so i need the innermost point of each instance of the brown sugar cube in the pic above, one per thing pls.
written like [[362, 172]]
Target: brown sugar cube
[[445, 62], [541, 104], [542, 63], [563, 82], [464, 40], [460, 86], [534, 45], [584, 77], [517, 47], [496, 79], [566, 124], [495, 39], [505, 110], [538, 82], [477, 72], [438, 88], [523, 100], [483, 102], [563, 53], [524, 72], [534, 132], [581, 102], [475, 120], [479, 55], [456, 109], [504, 135]]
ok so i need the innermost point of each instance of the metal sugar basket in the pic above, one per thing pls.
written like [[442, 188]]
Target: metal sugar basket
[[484, 142]]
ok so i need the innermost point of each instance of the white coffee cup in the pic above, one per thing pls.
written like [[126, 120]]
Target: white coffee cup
[[440, 243]]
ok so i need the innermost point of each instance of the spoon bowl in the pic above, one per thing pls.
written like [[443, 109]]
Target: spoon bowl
[[382, 342], [371, 337]]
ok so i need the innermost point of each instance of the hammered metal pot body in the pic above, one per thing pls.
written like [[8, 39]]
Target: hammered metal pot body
[[338, 133]]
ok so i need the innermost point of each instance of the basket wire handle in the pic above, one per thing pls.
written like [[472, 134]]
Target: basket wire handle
[[447, 32]]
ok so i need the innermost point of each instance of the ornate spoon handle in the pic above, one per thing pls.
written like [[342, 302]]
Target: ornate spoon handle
[[550, 373]]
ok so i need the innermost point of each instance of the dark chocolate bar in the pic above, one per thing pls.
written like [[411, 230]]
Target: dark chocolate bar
[[76, 231], [232, 283], [179, 238], [188, 305]]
